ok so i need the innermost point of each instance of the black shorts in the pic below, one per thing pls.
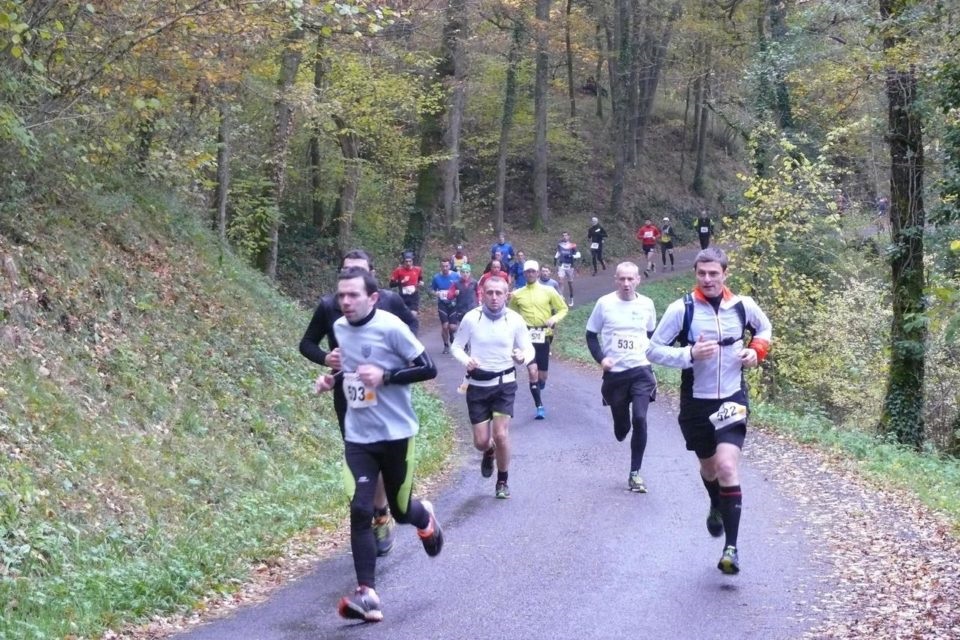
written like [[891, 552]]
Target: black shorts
[[647, 248], [699, 433], [446, 313], [619, 388], [412, 301], [483, 402], [664, 246], [541, 352]]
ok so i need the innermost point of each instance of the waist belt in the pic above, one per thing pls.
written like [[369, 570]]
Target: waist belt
[[481, 378]]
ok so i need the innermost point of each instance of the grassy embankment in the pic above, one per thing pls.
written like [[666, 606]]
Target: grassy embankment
[[933, 479], [158, 431]]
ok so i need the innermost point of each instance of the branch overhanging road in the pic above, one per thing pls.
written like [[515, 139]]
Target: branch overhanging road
[[573, 554]]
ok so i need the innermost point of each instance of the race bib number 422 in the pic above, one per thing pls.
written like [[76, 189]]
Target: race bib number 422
[[729, 414], [358, 395]]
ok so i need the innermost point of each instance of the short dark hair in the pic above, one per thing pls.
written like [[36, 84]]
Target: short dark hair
[[495, 280], [711, 254], [357, 254], [369, 281]]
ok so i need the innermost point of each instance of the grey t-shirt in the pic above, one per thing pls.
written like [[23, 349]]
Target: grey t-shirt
[[384, 413]]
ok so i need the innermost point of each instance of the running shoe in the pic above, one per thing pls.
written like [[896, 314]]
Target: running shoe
[[486, 463], [503, 491], [541, 413], [635, 482], [729, 561], [432, 536], [385, 528], [362, 604], [715, 522], [446, 348]]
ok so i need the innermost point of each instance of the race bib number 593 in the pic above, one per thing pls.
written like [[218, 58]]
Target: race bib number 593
[[358, 395], [729, 414]]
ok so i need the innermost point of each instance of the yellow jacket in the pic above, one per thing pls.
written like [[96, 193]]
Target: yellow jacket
[[537, 304]]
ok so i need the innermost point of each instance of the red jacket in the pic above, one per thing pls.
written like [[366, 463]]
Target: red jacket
[[648, 234]]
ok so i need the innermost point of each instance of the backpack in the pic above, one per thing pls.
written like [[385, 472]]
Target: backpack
[[683, 338]]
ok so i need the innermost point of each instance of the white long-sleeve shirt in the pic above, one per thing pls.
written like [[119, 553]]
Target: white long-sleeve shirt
[[492, 341]]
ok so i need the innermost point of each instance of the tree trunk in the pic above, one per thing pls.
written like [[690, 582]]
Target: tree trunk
[[276, 164], [316, 177], [903, 404], [540, 207], [598, 74], [778, 31], [455, 35], [699, 171], [571, 91], [506, 121], [223, 164], [621, 108], [633, 97], [350, 186], [650, 78]]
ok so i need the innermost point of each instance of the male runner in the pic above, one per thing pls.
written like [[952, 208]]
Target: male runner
[[380, 358], [710, 325], [595, 236], [497, 341], [547, 281], [463, 294], [441, 285], [704, 228], [647, 235], [505, 249], [563, 259], [541, 308], [618, 333], [458, 259], [666, 242], [408, 278], [517, 279], [321, 325]]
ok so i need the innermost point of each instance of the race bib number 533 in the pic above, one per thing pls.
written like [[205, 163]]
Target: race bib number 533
[[358, 395], [729, 414]]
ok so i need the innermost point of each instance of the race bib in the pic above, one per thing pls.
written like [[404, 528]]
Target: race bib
[[648, 234], [729, 414], [538, 335], [594, 245], [664, 238], [626, 342], [358, 396], [408, 290], [704, 229]]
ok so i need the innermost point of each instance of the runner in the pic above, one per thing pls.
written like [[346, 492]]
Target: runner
[[516, 271], [441, 284], [463, 295], [408, 278], [547, 281], [595, 236], [381, 358], [495, 270], [710, 325], [320, 327], [666, 242], [458, 259], [497, 340], [541, 308], [704, 228], [505, 249], [618, 333], [564, 258], [647, 235]]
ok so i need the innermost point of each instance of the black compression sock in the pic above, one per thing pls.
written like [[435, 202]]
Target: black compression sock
[[379, 513], [501, 476], [729, 504], [535, 392], [713, 490]]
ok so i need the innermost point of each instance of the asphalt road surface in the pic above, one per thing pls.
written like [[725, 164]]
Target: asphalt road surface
[[572, 554]]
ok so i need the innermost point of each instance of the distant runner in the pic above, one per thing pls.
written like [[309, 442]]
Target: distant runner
[[595, 236], [440, 285], [567, 253], [647, 235]]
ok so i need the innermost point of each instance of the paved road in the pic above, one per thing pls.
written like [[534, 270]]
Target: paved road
[[572, 554]]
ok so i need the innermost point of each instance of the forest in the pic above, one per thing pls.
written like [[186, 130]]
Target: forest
[[822, 135]]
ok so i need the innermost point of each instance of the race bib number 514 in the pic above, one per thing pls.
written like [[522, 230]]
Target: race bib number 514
[[538, 335], [729, 414], [358, 395]]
